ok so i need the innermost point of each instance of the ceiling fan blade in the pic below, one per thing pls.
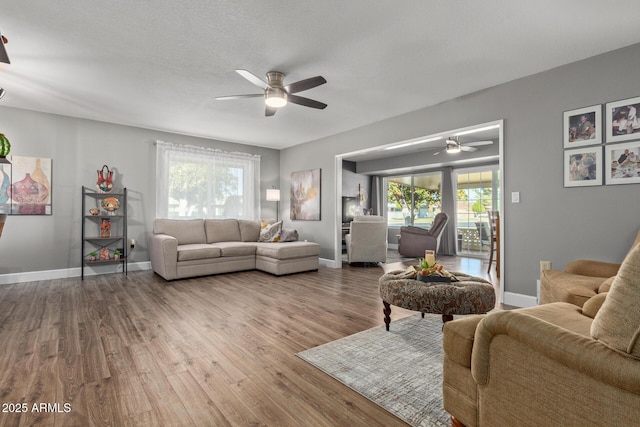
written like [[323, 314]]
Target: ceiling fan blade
[[478, 143], [252, 95], [253, 79], [467, 148], [305, 84], [295, 99], [270, 111]]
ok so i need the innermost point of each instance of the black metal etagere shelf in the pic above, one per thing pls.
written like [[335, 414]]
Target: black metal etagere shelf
[[92, 241]]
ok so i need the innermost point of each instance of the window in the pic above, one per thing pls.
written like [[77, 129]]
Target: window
[[198, 182], [414, 199], [477, 194]]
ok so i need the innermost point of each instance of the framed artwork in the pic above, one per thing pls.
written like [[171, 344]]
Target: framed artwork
[[622, 122], [582, 127], [25, 186], [305, 195], [583, 167], [622, 163]]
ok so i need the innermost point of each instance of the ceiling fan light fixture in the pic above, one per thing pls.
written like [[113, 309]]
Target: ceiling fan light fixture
[[453, 146], [275, 97]]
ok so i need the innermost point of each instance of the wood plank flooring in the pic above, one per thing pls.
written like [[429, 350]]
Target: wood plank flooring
[[215, 351]]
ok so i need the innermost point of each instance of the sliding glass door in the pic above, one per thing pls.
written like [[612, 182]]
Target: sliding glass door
[[477, 193], [413, 199]]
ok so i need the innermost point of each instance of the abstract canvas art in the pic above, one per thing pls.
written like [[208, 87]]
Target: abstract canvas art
[[305, 195], [25, 186]]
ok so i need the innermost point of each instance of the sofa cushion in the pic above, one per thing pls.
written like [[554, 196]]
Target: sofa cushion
[[222, 230], [606, 285], [271, 233], [617, 324], [228, 249], [288, 250], [593, 304], [187, 231], [197, 251], [249, 230]]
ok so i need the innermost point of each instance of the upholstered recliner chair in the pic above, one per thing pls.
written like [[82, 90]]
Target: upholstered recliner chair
[[367, 239], [580, 280], [413, 241]]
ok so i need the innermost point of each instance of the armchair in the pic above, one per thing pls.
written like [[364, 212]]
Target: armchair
[[553, 364], [580, 280], [413, 241], [367, 239]]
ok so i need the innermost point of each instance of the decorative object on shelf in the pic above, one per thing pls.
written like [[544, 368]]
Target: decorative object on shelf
[[117, 254], [5, 146], [92, 256], [105, 180], [305, 195], [105, 255], [94, 211], [110, 204], [105, 228]]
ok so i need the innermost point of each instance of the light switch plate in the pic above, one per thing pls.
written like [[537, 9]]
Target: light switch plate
[[515, 197]]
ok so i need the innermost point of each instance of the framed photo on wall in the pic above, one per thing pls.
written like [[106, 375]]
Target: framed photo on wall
[[582, 127], [622, 163], [305, 195], [622, 122], [583, 167]]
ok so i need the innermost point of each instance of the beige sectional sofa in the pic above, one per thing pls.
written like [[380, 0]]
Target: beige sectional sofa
[[199, 247]]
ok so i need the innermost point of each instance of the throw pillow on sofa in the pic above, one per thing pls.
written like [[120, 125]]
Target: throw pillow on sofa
[[271, 233], [289, 235], [617, 323]]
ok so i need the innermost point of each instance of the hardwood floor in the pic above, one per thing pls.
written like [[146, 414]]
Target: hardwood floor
[[219, 350]]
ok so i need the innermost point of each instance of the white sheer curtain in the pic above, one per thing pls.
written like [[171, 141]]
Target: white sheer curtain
[[203, 182]]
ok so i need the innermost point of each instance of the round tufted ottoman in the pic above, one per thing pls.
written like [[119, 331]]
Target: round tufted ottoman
[[471, 295]]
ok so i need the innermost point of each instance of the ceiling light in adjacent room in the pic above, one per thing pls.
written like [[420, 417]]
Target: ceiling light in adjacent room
[[453, 146]]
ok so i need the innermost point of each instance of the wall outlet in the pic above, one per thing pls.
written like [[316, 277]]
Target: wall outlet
[[545, 265]]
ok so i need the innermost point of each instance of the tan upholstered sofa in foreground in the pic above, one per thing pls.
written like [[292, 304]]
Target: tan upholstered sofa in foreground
[[579, 281], [199, 247], [554, 364]]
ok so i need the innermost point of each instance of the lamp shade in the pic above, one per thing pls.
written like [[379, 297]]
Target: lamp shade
[[273, 195]]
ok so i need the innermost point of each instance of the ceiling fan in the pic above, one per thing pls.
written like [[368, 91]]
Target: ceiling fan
[[454, 146], [276, 94]]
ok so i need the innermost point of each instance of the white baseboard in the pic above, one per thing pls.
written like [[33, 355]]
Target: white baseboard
[[330, 263], [519, 300], [65, 273]]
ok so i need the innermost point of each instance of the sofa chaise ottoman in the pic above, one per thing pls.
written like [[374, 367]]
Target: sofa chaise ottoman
[[199, 247]]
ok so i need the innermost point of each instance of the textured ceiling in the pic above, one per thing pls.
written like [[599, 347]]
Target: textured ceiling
[[159, 64]]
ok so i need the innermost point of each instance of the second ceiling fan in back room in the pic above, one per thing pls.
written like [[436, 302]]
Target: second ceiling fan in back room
[[453, 146], [276, 94]]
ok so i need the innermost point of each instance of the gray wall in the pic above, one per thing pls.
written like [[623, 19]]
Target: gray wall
[[551, 222], [78, 148]]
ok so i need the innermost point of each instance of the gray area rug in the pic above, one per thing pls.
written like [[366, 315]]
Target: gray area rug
[[399, 370]]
